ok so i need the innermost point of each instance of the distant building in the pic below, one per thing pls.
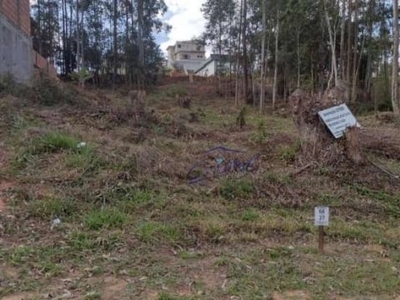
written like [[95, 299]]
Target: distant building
[[210, 66], [186, 55]]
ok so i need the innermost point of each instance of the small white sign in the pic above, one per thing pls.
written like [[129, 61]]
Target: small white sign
[[321, 216], [338, 118]]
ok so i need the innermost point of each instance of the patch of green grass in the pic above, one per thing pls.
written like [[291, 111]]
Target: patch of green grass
[[81, 159], [176, 89], [131, 200], [250, 215], [287, 153], [49, 208], [390, 203], [188, 255], [20, 255], [277, 221], [255, 281], [273, 177], [327, 199], [107, 217], [365, 231], [150, 232], [260, 136], [81, 241], [55, 142], [347, 275], [93, 295], [211, 228], [166, 296], [233, 189]]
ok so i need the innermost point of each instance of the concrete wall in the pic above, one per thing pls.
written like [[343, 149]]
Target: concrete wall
[[190, 65], [15, 52], [16, 56], [189, 46]]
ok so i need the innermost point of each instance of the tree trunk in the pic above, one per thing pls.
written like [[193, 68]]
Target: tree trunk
[[395, 71], [127, 58], [349, 46], [238, 56], [274, 90], [220, 57], [332, 42], [262, 88], [368, 72], [354, 84], [342, 34], [245, 58], [78, 43], [82, 39], [298, 57], [115, 42], [64, 40], [140, 42]]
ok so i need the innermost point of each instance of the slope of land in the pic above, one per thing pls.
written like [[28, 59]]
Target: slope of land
[[95, 204]]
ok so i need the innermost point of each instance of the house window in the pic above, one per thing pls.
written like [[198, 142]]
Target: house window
[[185, 56], [179, 46]]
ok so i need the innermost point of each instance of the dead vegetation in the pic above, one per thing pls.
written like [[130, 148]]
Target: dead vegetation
[[190, 204]]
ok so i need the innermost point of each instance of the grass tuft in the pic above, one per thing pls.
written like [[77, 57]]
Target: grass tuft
[[108, 218]]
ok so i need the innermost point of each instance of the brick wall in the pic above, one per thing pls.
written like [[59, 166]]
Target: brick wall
[[17, 13], [44, 67]]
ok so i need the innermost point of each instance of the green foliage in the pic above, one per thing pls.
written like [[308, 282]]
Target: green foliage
[[48, 92], [105, 218], [232, 189], [241, 118], [80, 76], [54, 142], [287, 153], [150, 232], [250, 215], [176, 90], [8, 86], [49, 208], [81, 241], [260, 136], [381, 89]]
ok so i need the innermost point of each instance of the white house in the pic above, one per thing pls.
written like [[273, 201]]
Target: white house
[[186, 55], [211, 65]]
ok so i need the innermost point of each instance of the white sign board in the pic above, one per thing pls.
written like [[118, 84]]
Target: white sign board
[[338, 118], [321, 216]]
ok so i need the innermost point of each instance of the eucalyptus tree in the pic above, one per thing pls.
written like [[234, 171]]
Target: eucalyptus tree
[[110, 38], [395, 64], [219, 15]]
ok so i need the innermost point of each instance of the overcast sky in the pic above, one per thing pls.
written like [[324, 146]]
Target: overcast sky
[[186, 20]]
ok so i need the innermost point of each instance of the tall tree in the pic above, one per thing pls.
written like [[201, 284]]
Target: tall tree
[[245, 58], [395, 62], [264, 28]]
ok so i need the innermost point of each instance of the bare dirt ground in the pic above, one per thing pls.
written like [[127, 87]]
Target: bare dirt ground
[[95, 204]]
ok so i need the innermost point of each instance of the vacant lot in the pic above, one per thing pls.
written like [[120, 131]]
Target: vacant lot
[[98, 204]]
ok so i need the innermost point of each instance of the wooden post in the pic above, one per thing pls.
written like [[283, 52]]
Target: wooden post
[[321, 239], [321, 219]]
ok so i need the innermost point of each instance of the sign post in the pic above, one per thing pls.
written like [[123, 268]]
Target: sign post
[[321, 219], [337, 119]]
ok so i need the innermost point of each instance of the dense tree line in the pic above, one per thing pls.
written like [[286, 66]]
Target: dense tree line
[[110, 39], [312, 44]]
